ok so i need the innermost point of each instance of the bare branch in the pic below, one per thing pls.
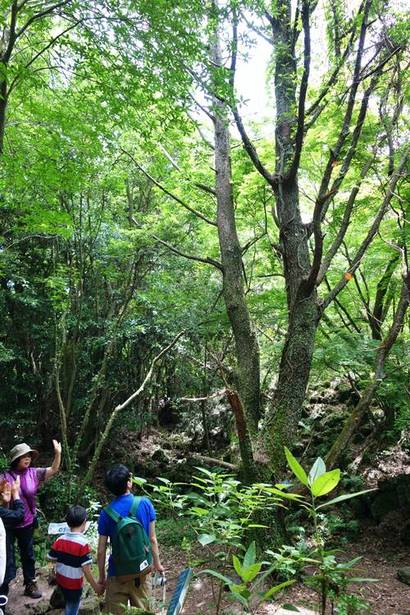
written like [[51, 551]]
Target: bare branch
[[250, 149], [47, 11], [42, 51], [195, 399], [300, 132], [371, 234], [12, 33], [203, 109], [333, 77], [202, 187], [149, 373], [167, 192], [247, 143], [324, 193], [199, 259]]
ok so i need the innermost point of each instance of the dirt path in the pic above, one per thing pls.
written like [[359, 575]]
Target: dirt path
[[381, 559]]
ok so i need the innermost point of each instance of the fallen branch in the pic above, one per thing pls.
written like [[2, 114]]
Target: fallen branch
[[214, 462], [211, 396]]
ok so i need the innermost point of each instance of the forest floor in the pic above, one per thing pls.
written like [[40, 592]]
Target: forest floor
[[381, 559]]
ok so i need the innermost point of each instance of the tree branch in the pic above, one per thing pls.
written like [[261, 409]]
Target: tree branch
[[371, 234], [119, 407], [383, 351], [42, 51], [199, 185], [40, 15], [199, 259], [345, 221], [344, 132], [167, 192], [300, 132]]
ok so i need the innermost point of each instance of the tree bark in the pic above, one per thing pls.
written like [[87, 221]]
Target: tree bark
[[246, 343], [283, 416]]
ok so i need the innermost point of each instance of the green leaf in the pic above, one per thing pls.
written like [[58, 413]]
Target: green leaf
[[363, 580], [138, 481], [277, 588], [347, 496], [237, 565], [206, 539], [282, 494], [296, 468], [250, 555], [326, 483], [318, 469], [201, 512], [249, 573], [290, 607], [217, 575], [240, 589]]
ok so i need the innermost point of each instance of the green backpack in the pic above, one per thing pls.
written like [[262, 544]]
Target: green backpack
[[131, 547]]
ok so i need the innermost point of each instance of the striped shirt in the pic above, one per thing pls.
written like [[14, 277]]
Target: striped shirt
[[71, 552]]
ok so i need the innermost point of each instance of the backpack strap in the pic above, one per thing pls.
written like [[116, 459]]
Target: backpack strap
[[112, 513], [116, 517], [134, 506]]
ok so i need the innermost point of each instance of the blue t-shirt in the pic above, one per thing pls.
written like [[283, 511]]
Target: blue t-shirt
[[122, 505]]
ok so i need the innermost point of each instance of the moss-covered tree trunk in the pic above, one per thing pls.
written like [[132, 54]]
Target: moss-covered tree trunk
[[284, 414], [246, 343]]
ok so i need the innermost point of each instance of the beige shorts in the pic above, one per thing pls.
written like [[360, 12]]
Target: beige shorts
[[134, 593]]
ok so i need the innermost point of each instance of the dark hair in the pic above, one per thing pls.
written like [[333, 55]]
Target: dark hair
[[76, 515], [117, 478], [14, 464]]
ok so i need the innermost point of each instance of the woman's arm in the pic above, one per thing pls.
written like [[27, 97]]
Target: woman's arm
[[55, 466]]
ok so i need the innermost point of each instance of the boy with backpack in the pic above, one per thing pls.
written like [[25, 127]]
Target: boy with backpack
[[129, 523], [72, 556]]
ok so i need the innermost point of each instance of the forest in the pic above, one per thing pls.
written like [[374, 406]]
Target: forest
[[205, 276]]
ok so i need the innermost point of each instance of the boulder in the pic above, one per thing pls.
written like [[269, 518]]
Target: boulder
[[160, 457], [393, 494], [403, 574]]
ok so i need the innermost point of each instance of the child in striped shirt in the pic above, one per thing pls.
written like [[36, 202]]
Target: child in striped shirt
[[71, 553]]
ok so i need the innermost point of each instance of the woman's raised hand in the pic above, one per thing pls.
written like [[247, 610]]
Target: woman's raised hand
[[57, 447]]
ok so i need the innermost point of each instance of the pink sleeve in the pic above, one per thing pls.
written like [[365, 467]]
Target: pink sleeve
[[41, 474]]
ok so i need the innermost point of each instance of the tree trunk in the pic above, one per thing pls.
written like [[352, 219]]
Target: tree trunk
[[246, 343], [303, 315], [3, 108], [283, 416]]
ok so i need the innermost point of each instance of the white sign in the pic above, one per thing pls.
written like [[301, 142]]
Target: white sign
[[61, 528]]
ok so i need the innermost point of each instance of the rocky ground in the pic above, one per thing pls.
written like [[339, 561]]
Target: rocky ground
[[382, 557], [383, 541]]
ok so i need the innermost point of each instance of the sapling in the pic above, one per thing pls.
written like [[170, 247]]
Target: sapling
[[318, 566]]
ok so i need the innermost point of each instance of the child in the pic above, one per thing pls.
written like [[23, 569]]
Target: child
[[136, 591], [71, 552], [11, 513]]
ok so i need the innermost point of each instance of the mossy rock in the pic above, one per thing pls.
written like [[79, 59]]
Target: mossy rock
[[403, 574]]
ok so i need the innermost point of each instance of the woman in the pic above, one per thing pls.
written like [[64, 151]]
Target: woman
[[31, 479], [11, 514]]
